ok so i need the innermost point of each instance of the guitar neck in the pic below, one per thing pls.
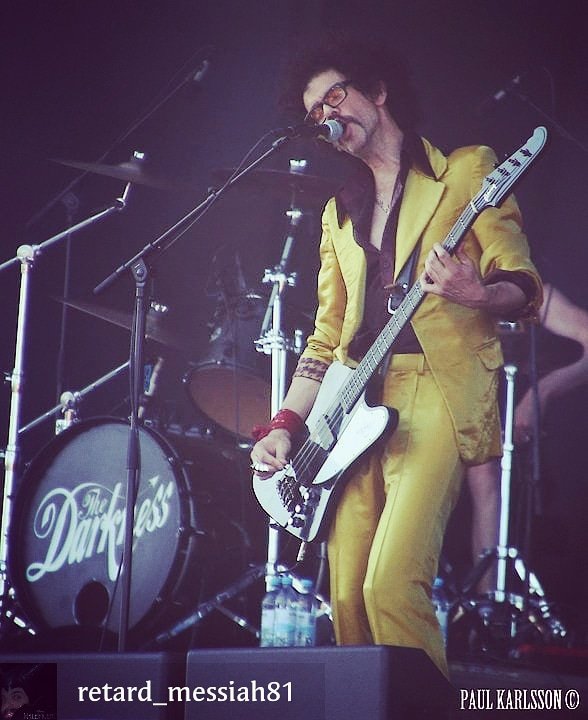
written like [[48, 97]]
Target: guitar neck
[[495, 188]]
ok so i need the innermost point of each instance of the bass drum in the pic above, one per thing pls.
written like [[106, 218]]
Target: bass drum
[[68, 531]]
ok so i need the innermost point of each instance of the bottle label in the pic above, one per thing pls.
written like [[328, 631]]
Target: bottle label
[[267, 627], [305, 629], [284, 627]]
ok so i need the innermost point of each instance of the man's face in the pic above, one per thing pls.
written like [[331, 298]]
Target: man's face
[[12, 700], [358, 113]]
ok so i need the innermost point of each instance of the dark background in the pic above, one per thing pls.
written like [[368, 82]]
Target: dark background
[[76, 75]]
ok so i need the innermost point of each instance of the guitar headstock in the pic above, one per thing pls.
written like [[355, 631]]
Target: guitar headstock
[[500, 182]]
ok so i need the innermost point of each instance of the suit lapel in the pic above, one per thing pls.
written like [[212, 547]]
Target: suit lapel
[[422, 194]]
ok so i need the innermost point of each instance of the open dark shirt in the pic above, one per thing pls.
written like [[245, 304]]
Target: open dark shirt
[[356, 201]]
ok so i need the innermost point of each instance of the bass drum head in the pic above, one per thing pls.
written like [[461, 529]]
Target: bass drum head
[[68, 530], [230, 384]]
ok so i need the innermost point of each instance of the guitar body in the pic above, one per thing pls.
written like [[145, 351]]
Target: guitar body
[[299, 506]]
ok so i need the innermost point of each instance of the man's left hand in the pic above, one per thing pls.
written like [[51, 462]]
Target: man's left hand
[[455, 278]]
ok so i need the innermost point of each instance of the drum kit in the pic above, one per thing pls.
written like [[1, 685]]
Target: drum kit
[[64, 517]]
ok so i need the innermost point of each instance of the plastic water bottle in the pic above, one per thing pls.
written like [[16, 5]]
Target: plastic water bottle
[[306, 616], [442, 606], [285, 614], [268, 612]]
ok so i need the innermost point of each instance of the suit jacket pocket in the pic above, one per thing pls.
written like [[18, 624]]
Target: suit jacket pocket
[[490, 353]]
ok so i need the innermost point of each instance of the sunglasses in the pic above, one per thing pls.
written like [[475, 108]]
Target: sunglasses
[[332, 98]]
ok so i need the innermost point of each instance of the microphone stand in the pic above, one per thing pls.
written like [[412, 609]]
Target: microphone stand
[[26, 256], [139, 266]]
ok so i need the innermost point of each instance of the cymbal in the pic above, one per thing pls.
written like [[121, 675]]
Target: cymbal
[[158, 328], [313, 187], [130, 171]]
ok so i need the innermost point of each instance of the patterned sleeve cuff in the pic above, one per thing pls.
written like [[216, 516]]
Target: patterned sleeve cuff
[[311, 369]]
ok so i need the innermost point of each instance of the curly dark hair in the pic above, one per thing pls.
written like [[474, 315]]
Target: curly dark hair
[[363, 61]]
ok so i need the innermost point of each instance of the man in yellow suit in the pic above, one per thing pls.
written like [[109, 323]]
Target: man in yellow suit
[[388, 528]]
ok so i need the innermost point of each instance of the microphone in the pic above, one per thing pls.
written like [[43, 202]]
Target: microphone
[[500, 94], [330, 130]]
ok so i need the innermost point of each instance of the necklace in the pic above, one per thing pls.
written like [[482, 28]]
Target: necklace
[[387, 207], [382, 205]]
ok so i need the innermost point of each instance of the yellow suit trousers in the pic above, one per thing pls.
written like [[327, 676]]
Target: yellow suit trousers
[[388, 529]]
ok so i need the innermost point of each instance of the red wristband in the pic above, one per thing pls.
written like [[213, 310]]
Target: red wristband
[[283, 420]]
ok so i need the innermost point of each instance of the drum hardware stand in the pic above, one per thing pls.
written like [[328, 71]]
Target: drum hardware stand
[[70, 402], [26, 256], [272, 341], [533, 604]]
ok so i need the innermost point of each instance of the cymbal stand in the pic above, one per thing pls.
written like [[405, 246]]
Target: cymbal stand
[[71, 400], [26, 256]]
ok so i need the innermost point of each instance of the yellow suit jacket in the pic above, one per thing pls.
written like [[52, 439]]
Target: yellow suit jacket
[[460, 344]]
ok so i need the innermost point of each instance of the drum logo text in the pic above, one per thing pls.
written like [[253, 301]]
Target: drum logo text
[[84, 522]]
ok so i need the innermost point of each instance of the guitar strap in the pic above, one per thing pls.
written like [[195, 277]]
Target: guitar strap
[[397, 294]]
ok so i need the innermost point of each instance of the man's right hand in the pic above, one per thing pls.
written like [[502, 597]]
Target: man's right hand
[[271, 453]]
